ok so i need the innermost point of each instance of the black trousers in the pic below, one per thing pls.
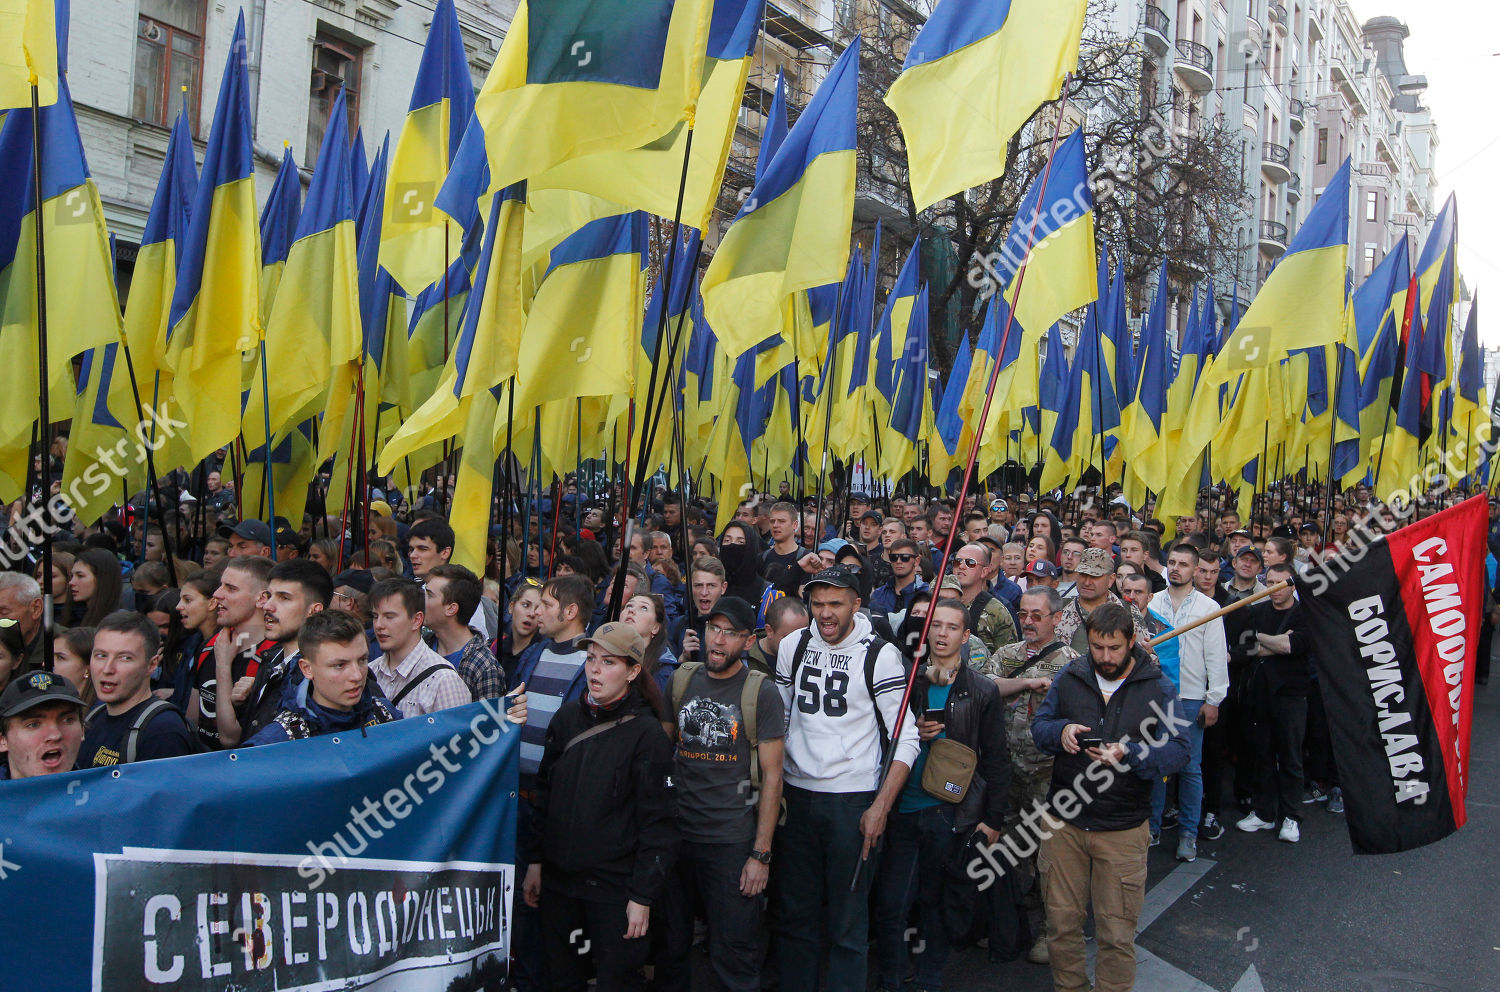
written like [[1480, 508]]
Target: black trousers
[[1278, 734], [575, 931], [708, 876], [1319, 744], [1214, 744]]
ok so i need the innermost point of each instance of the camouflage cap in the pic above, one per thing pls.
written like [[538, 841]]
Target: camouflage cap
[[1096, 561]]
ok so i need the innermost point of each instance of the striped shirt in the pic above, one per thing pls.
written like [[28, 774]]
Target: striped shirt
[[546, 691]]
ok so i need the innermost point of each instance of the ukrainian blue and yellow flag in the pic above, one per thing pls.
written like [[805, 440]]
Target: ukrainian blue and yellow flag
[[436, 314], [413, 234], [894, 321], [215, 312], [580, 332], [315, 325], [728, 458], [1379, 313], [1143, 428], [29, 34], [294, 462], [1397, 462], [1089, 412], [976, 72], [911, 413], [649, 177], [82, 309], [1301, 304], [948, 420], [793, 232], [485, 353], [94, 483], [579, 77], [278, 229], [1469, 423], [1053, 237], [151, 286]]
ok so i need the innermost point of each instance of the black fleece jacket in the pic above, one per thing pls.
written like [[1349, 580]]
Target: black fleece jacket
[[607, 831]]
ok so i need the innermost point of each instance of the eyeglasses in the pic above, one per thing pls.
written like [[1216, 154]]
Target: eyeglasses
[[967, 562], [1035, 615], [714, 630], [903, 556]]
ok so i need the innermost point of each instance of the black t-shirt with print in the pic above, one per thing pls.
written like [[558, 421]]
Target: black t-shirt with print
[[205, 680], [712, 764], [166, 735]]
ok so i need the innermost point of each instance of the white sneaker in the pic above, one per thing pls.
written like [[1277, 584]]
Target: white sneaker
[[1290, 832], [1252, 823]]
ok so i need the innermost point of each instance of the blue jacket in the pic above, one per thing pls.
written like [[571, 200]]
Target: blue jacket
[[526, 665], [298, 703], [887, 600], [1155, 747]]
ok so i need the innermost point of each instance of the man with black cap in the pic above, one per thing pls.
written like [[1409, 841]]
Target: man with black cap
[[728, 724], [1244, 581], [41, 726], [248, 537], [842, 686]]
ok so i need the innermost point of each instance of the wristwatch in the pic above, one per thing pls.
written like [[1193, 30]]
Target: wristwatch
[[764, 857]]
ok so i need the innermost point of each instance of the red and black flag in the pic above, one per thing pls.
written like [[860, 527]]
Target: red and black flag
[[1397, 638]]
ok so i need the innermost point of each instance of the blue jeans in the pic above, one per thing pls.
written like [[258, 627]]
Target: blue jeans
[[911, 871], [1189, 780]]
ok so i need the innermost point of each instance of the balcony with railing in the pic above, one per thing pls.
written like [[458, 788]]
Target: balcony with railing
[[1276, 162], [1294, 188], [1296, 113], [1279, 16], [1273, 237], [1195, 65], [1158, 29]]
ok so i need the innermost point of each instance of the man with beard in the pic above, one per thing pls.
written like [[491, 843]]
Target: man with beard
[[1103, 722], [728, 723], [295, 591], [1023, 672]]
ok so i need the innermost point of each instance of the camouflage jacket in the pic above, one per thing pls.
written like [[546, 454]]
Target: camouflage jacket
[[1010, 662], [1070, 623], [992, 623]]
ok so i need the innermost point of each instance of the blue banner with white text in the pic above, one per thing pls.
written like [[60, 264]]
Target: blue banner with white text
[[378, 861]]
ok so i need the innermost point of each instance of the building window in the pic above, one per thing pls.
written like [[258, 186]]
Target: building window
[[1322, 146], [336, 65], [168, 56], [1369, 260], [1372, 206]]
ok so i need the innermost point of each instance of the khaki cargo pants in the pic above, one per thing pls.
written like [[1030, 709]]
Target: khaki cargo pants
[[1109, 868]]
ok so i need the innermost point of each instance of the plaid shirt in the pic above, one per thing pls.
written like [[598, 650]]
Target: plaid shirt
[[479, 669]]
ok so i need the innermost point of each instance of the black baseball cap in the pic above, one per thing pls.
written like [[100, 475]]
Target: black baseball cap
[[871, 515], [358, 579], [34, 690], [1250, 549], [249, 530], [840, 578], [740, 614]]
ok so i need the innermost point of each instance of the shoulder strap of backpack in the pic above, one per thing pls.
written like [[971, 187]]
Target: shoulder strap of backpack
[[749, 716], [681, 675], [422, 676], [133, 735], [872, 654], [799, 653]]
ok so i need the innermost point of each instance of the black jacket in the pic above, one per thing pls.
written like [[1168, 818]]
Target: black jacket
[[607, 831], [975, 717], [1156, 748]]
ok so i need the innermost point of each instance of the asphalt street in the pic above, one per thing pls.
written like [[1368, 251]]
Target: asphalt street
[[1256, 914]]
